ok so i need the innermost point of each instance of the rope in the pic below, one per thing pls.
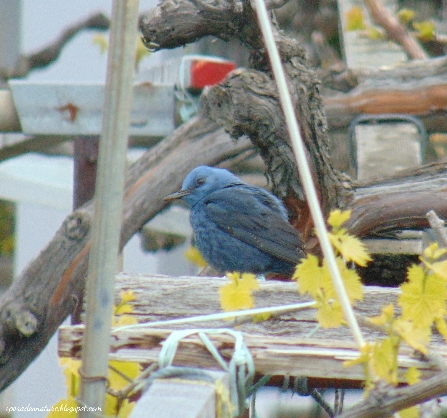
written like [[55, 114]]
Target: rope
[[240, 368]]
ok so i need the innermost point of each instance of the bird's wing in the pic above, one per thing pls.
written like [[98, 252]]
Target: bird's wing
[[243, 216]]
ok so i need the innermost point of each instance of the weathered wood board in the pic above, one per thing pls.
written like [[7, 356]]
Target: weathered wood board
[[280, 346]]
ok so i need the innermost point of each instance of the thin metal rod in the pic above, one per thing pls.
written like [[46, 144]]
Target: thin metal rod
[[304, 170], [108, 205]]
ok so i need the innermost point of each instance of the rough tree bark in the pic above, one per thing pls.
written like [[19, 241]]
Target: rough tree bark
[[41, 297], [247, 103]]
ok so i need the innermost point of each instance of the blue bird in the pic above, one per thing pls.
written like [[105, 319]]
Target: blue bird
[[238, 226]]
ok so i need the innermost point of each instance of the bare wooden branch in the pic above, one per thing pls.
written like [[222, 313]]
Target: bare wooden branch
[[385, 205], [21, 145], [387, 400], [416, 88], [45, 290], [395, 30], [192, 20], [51, 52]]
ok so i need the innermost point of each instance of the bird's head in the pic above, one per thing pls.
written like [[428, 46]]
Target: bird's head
[[202, 181]]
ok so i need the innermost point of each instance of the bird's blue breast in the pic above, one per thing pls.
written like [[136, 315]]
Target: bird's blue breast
[[223, 251], [216, 242]]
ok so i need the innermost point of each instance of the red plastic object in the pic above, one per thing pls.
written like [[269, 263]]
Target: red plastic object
[[207, 73]]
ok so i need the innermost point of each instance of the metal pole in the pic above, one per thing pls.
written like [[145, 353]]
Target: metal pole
[[108, 206]]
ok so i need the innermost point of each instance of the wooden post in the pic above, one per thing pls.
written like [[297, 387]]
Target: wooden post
[[108, 206]]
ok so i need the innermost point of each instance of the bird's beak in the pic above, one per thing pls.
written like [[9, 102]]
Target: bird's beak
[[176, 195]]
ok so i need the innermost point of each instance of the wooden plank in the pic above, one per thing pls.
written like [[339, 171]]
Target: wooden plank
[[76, 109], [194, 398], [359, 50], [384, 149], [283, 355], [279, 346]]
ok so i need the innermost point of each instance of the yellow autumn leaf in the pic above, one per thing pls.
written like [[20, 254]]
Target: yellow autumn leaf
[[70, 364], [406, 15], [140, 51], [70, 369], [110, 406], [423, 297], [120, 374], [364, 356], [351, 282], [439, 253], [385, 317], [237, 293], [416, 337], [375, 34], [329, 315], [193, 255], [317, 282], [412, 412], [338, 217], [101, 41], [384, 359], [440, 268], [126, 409], [65, 408], [123, 308], [245, 280], [122, 320], [363, 360], [426, 30], [310, 276], [261, 317], [350, 248], [7, 245], [412, 375], [433, 252], [119, 369], [127, 296], [354, 19]]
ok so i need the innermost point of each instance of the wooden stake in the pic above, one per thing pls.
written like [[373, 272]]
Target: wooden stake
[[108, 206]]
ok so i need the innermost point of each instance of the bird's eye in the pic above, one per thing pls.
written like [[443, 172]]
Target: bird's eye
[[200, 181]]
